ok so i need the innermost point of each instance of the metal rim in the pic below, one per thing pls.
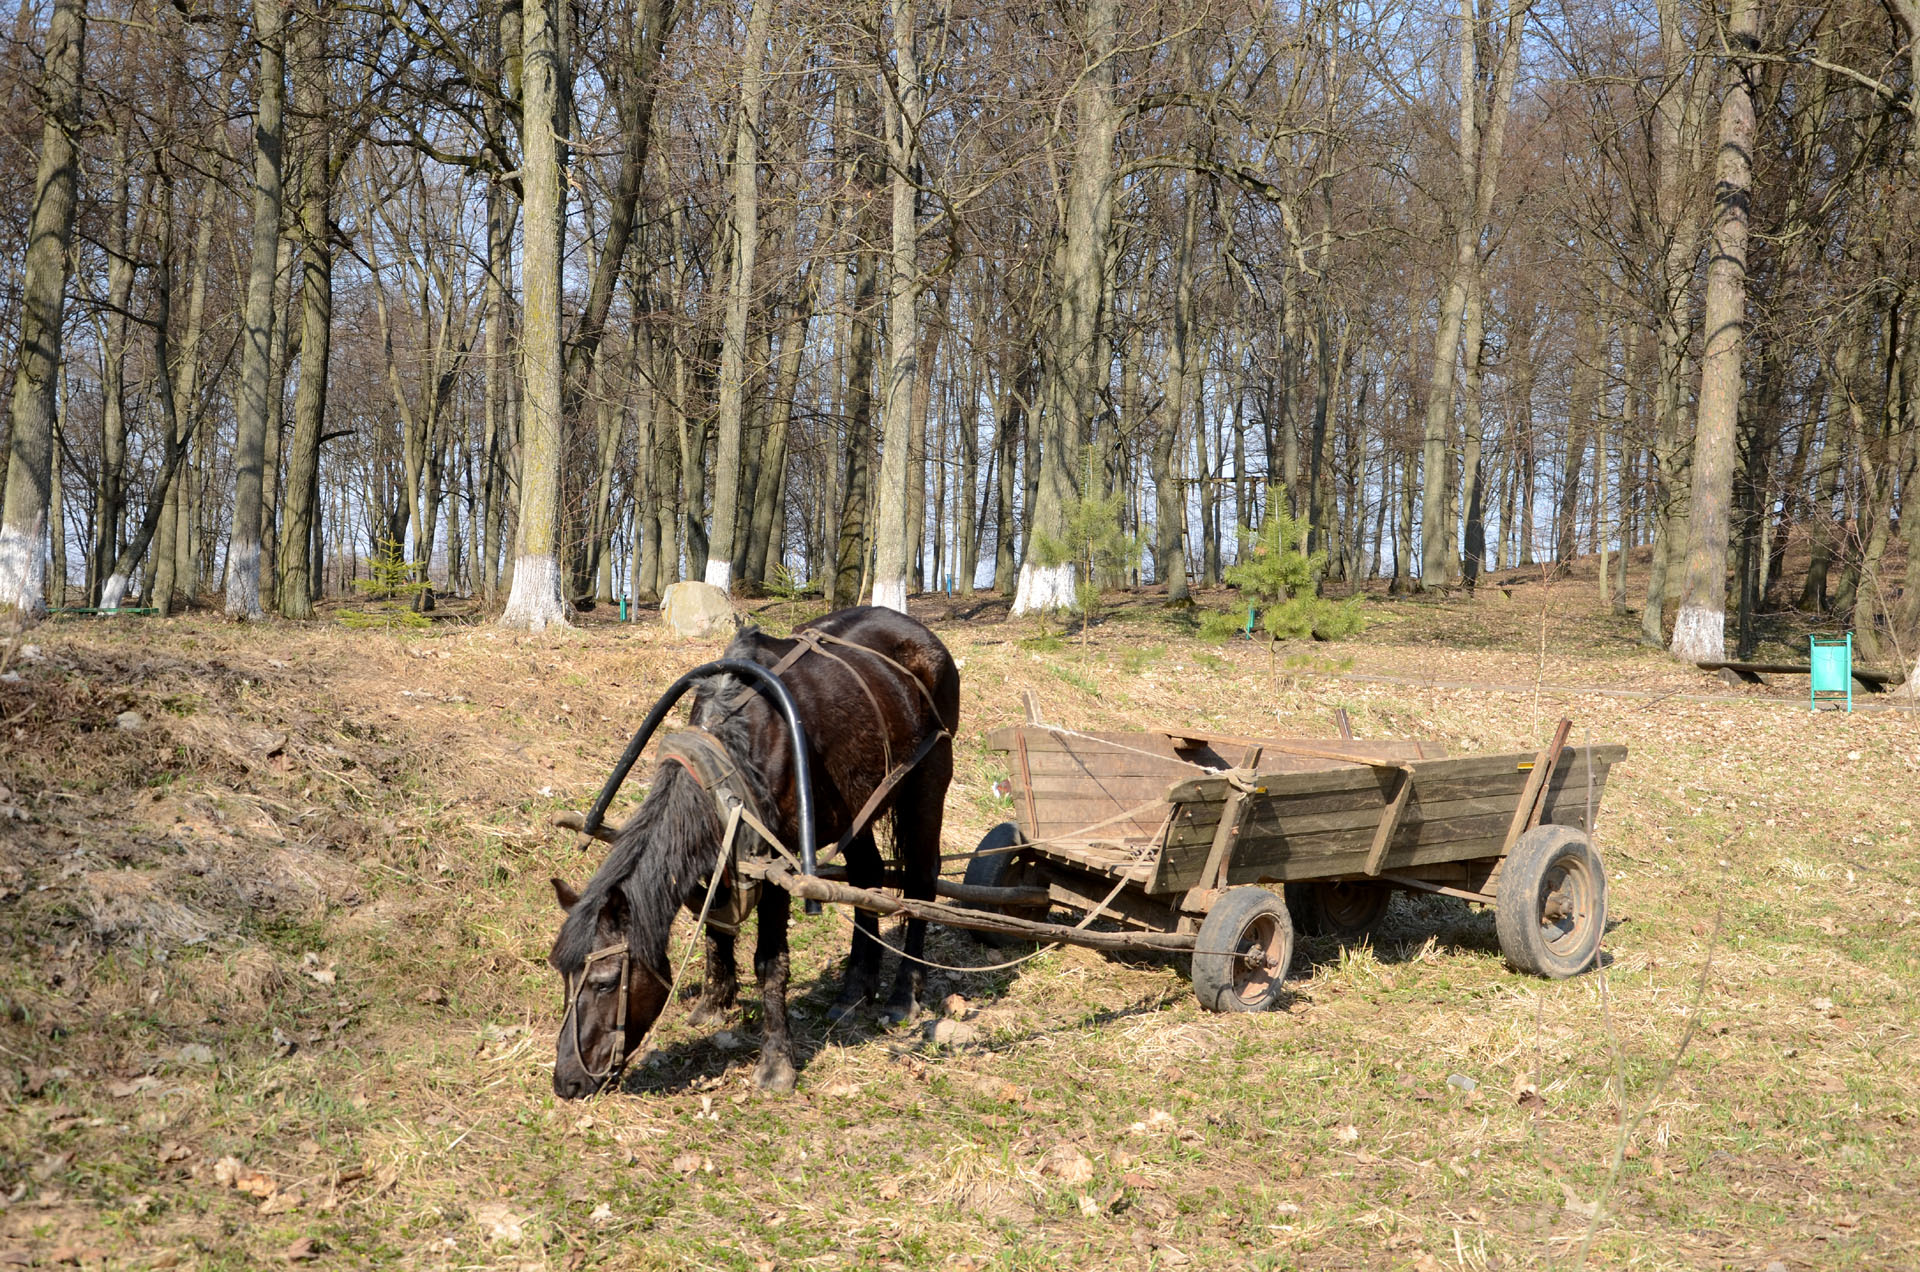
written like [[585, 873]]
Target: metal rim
[[1569, 897], [1256, 962], [1350, 905]]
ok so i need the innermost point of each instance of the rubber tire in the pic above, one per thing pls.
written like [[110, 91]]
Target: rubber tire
[[1000, 870], [1220, 980], [1546, 858], [1346, 911]]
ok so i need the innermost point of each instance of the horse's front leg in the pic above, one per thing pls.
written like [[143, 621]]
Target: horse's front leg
[[722, 984], [776, 1072]]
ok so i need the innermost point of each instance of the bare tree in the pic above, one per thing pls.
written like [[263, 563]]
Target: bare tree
[[36, 378], [1699, 631]]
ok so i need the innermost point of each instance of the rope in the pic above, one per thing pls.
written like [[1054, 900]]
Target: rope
[[713, 887]]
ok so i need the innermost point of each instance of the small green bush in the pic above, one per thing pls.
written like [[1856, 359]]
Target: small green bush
[[1282, 579]]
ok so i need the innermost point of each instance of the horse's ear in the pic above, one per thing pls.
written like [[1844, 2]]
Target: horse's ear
[[564, 893]]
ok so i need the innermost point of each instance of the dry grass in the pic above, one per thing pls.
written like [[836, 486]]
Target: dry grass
[[298, 919]]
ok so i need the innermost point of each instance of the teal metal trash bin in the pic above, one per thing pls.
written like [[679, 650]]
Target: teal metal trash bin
[[1832, 679]]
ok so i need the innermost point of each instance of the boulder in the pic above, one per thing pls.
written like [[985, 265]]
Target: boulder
[[698, 611]]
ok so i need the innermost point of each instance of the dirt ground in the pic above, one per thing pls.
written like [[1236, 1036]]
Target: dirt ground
[[274, 915]]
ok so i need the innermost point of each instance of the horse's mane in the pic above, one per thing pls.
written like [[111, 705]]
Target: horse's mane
[[669, 843]]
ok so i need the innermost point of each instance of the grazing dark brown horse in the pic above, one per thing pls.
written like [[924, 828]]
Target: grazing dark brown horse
[[874, 688]]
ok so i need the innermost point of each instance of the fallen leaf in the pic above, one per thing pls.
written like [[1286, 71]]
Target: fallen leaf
[[123, 1090], [1089, 1207], [303, 1248], [171, 1152], [601, 1213], [1346, 1134], [687, 1163], [196, 1053], [889, 1190]]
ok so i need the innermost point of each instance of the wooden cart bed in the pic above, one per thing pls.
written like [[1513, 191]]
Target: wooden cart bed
[[1148, 806]]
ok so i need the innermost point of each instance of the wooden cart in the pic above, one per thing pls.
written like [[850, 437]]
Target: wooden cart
[[1172, 834], [1165, 839]]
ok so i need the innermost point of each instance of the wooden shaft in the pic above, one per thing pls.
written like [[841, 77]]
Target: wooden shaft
[[814, 888], [1527, 811]]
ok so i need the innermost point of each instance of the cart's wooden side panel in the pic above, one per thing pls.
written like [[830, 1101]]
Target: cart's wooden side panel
[[1070, 785], [1064, 783], [1318, 825]]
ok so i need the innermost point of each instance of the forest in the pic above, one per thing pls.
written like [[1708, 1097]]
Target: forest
[[551, 305]]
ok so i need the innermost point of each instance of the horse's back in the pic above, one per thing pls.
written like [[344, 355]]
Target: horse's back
[[898, 638]]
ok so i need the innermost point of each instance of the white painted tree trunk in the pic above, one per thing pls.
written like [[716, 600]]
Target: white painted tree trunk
[[114, 591], [29, 487], [535, 603], [23, 565], [720, 572], [1700, 629], [891, 592], [1043, 589]]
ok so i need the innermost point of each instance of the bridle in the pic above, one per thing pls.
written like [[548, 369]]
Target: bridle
[[570, 1023]]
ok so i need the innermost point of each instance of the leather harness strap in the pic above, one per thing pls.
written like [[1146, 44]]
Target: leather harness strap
[[810, 640]]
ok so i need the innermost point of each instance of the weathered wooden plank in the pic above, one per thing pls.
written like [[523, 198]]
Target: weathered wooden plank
[[1362, 811], [1282, 848], [1317, 856], [1477, 768]]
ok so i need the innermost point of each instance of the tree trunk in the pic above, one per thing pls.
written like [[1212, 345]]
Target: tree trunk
[[850, 565], [1170, 500], [768, 534], [1012, 424], [110, 492], [36, 379], [1070, 394], [894, 531], [1699, 630], [535, 602], [745, 222], [256, 348], [1481, 142], [300, 578]]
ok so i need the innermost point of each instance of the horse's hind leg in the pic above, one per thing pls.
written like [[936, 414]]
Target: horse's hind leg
[[722, 983], [863, 960], [776, 1071], [917, 817]]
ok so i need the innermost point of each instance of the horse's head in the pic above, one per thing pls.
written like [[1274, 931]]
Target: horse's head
[[614, 991]]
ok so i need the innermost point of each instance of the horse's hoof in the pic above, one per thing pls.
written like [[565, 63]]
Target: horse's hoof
[[706, 1013], [775, 1075], [896, 1014]]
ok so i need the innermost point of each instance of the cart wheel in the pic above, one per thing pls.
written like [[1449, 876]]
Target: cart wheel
[[1346, 911], [1242, 952], [1551, 909], [993, 867]]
